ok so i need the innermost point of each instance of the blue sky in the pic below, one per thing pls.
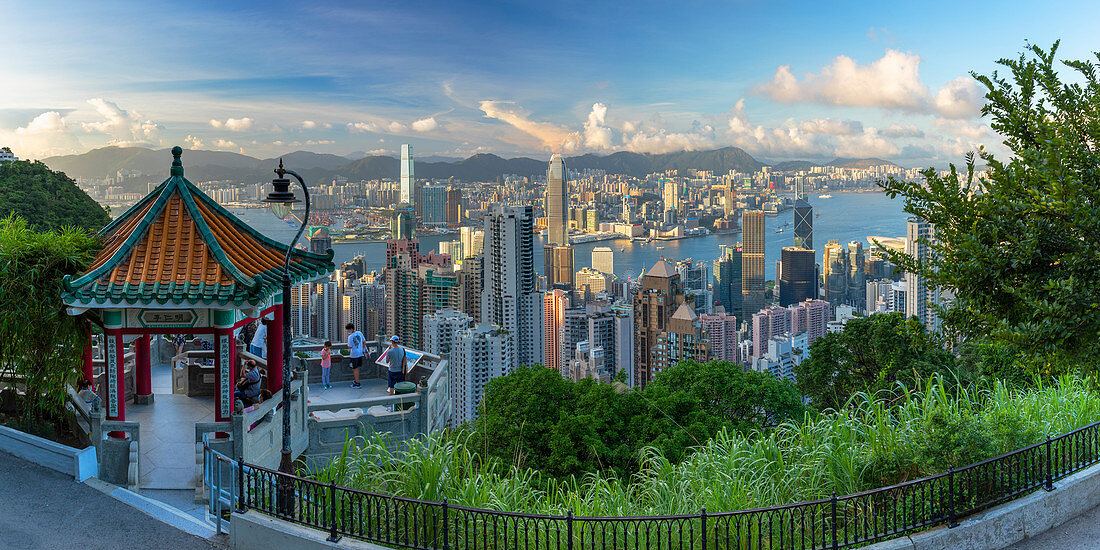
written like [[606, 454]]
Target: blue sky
[[782, 80]]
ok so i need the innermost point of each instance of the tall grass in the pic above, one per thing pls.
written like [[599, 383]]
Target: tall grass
[[873, 441]]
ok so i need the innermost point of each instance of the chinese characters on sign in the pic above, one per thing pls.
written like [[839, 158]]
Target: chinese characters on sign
[[227, 383], [167, 317], [112, 377]]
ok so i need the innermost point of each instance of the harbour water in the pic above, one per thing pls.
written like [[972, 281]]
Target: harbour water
[[845, 217]]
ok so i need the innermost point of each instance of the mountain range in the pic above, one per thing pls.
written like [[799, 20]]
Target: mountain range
[[203, 165]]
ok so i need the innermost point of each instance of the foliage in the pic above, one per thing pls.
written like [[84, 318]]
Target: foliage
[[535, 418], [42, 344], [870, 443], [47, 199], [1018, 247], [871, 353]]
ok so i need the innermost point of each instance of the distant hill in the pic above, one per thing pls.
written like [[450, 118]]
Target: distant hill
[[859, 163], [316, 167], [46, 198]]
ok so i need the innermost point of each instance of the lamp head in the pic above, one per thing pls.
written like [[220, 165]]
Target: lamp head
[[280, 199]]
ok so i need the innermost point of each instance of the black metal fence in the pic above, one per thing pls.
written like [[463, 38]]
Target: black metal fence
[[835, 522]]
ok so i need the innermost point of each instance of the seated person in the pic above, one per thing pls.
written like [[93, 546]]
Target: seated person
[[85, 391], [248, 386]]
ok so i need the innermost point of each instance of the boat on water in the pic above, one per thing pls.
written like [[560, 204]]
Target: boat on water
[[825, 196], [779, 230]]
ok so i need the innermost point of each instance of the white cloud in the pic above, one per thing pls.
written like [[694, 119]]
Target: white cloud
[[359, 127], [395, 127], [308, 125], [596, 134], [425, 124], [899, 131], [224, 144], [48, 122], [892, 82], [193, 142], [233, 124], [867, 144], [123, 127], [659, 140], [960, 98], [550, 136], [963, 128], [831, 126]]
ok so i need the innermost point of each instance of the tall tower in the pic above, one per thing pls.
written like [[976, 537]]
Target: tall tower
[[857, 277], [752, 262], [803, 224], [796, 282], [510, 297], [727, 279], [557, 202], [834, 273], [654, 306], [919, 236], [407, 177]]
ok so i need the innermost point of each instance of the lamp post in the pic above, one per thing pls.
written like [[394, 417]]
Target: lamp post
[[281, 200]]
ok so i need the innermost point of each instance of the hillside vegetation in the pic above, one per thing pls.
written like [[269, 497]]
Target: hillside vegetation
[[47, 199]]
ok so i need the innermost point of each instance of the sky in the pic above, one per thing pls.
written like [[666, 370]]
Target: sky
[[783, 80]]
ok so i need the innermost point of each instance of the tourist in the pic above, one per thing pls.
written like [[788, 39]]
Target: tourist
[[85, 391], [248, 386], [396, 362], [357, 343], [179, 340], [326, 365], [258, 347]]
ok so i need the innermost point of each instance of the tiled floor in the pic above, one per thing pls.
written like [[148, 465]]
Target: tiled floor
[[167, 440], [342, 393]]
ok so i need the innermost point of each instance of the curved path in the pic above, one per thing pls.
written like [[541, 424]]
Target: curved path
[[1081, 532], [41, 508]]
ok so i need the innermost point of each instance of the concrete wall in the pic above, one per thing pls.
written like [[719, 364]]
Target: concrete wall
[[79, 463], [1011, 522], [361, 419], [255, 531]]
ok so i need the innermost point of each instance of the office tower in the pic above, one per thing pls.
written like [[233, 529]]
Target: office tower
[[452, 249], [628, 210], [672, 195], [695, 280], [811, 317], [319, 240], [327, 306], [403, 299], [439, 289], [454, 206], [683, 340], [603, 259], [592, 220], [407, 178], [721, 330], [402, 224], [558, 265], [573, 329], [555, 302], [623, 354], [441, 328], [752, 262], [469, 282], [478, 355], [899, 293], [471, 238], [727, 279], [729, 203], [878, 296], [797, 281], [654, 305], [591, 280], [601, 336], [834, 273], [774, 321], [803, 224], [856, 276], [920, 296], [301, 298], [434, 204], [372, 291], [557, 202], [351, 309], [510, 298]]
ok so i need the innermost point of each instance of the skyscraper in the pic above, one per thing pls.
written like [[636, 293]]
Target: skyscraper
[[919, 236], [454, 206], [441, 328], [721, 330], [557, 202], [803, 224], [434, 204], [672, 195], [603, 259], [834, 273], [797, 276], [857, 276], [403, 297], [727, 279], [752, 262], [555, 302], [558, 264], [654, 305], [510, 297], [478, 355], [319, 239], [407, 178], [402, 224]]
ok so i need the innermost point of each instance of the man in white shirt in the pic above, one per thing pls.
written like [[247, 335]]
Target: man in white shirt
[[258, 346], [356, 344]]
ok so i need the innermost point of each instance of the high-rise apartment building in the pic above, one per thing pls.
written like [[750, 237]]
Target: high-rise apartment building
[[603, 259], [555, 302], [752, 262], [811, 317], [301, 318], [439, 289], [721, 330], [372, 291], [471, 238], [478, 355], [798, 277], [774, 321], [407, 177], [573, 330], [557, 201], [403, 299], [510, 297], [327, 308], [683, 340], [441, 328], [454, 206], [920, 296], [469, 281], [727, 279], [654, 305], [434, 204], [672, 195]]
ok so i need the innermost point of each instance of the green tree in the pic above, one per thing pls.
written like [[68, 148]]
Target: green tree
[[47, 199], [42, 344], [1018, 247], [872, 353]]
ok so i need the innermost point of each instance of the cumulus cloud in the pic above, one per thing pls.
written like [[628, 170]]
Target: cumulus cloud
[[596, 134], [359, 127], [549, 135], [224, 144], [960, 98], [48, 122], [425, 124], [831, 126], [233, 124], [193, 142], [899, 131], [395, 127], [308, 125], [122, 126], [963, 128], [892, 82], [659, 140]]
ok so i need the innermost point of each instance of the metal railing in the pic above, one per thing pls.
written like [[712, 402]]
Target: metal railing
[[834, 522]]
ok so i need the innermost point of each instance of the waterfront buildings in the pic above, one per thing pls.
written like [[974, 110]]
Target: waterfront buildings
[[803, 217], [478, 355], [557, 202], [510, 297], [856, 276], [408, 179], [592, 281], [603, 259], [752, 261], [834, 273]]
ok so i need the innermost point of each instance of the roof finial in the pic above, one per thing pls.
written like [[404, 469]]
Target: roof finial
[[280, 170], [177, 164]]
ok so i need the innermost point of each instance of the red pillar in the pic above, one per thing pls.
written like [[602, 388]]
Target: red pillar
[[143, 378], [275, 350], [115, 364], [88, 372]]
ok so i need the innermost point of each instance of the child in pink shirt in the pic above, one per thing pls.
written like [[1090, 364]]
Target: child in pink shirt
[[326, 365]]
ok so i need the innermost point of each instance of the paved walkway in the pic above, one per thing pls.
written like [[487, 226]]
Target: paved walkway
[[168, 451], [1081, 532], [41, 508]]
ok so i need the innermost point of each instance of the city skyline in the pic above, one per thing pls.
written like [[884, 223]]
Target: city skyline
[[781, 82]]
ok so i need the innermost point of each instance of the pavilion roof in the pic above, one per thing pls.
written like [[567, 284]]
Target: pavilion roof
[[178, 246]]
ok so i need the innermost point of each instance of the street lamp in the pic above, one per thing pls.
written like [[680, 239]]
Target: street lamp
[[281, 200]]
